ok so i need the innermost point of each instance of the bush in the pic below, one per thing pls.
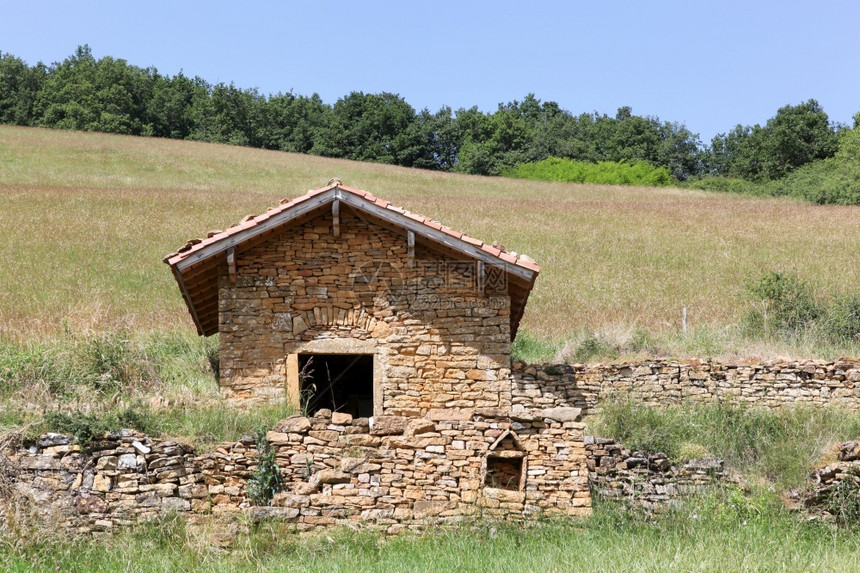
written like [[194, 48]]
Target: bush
[[843, 502], [266, 481], [601, 173], [88, 427], [593, 346], [826, 182], [830, 181], [843, 318], [786, 305]]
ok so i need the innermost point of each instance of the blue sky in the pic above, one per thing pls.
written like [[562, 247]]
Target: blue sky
[[710, 65]]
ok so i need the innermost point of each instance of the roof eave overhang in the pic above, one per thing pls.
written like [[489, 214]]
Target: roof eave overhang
[[238, 235], [487, 254]]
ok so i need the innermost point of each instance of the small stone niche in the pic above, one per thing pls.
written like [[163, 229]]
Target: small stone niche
[[506, 463]]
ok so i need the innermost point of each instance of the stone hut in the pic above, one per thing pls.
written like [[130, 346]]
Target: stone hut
[[392, 333], [339, 300]]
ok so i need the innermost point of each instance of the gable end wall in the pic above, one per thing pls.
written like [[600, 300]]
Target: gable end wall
[[438, 340]]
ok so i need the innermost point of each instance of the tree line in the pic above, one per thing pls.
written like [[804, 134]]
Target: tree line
[[110, 95]]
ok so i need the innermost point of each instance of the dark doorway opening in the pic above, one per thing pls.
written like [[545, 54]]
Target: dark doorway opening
[[338, 382]]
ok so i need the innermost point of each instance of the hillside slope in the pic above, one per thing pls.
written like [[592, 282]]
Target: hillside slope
[[89, 216]]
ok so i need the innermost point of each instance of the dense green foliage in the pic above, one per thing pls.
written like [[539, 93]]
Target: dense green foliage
[[795, 136], [110, 95], [826, 181], [835, 180], [602, 173]]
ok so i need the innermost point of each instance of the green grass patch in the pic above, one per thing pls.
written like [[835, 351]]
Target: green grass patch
[[529, 348], [203, 425], [105, 364], [600, 173], [709, 534], [215, 422], [780, 446]]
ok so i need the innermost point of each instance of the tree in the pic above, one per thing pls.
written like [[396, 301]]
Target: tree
[[795, 136], [435, 141], [368, 127], [169, 110], [85, 94], [291, 123], [679, 150], [19, 87]]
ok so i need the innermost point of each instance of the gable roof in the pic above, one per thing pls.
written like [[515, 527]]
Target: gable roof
[[195, 265]]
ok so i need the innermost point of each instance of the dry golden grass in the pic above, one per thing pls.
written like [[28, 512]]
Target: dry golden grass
[[88, 217]]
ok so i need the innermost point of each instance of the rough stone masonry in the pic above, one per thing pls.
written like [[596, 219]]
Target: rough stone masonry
[[396, 473]]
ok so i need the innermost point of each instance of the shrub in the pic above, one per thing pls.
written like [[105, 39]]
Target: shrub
[[826, 182], [266, 481], [843, 318], [843, 502], [593, 346], [108, 361], [785, 303], [87, 427], [602, 173]]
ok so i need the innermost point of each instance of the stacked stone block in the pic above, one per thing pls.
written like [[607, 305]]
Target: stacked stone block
[[444, 339], [647, 480], [769, 385], [392, 472]]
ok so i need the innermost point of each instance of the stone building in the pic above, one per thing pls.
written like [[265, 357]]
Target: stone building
[[339, 300], [392, 334]]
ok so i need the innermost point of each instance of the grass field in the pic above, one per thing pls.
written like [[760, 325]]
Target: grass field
[[89, 216], [706, 536], [91, 321]]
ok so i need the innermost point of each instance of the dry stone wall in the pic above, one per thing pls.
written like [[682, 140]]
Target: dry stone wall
[[647, 480], [398, 473], [835, 488], [765, 384]]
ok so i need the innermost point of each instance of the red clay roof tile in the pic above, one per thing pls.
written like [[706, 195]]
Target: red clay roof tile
[[529, 265], [492, 250]]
